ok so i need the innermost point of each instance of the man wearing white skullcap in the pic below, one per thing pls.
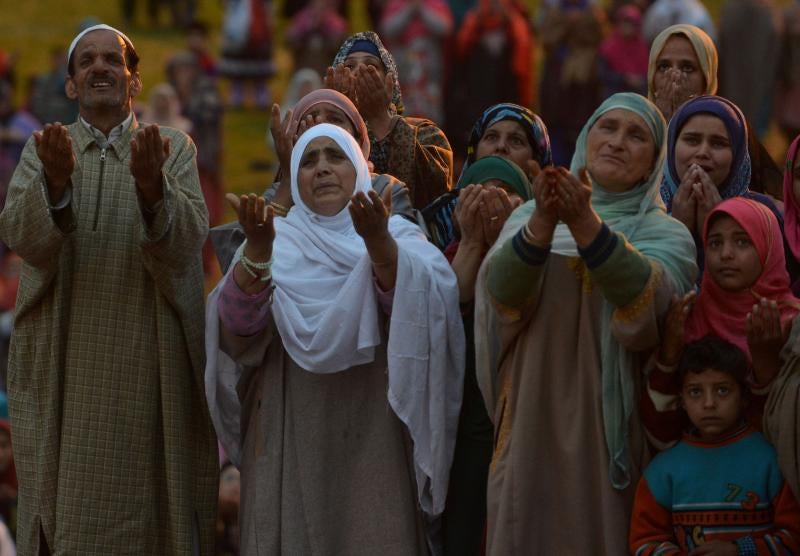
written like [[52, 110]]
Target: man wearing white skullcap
[[114, 447]]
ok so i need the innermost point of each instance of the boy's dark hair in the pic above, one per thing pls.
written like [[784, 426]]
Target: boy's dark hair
[[712, 352]]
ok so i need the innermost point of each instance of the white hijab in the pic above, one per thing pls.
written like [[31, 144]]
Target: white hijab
[[321, 275], [325, 309]]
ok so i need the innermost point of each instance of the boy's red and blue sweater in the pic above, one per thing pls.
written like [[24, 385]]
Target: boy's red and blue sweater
[[729, 490]]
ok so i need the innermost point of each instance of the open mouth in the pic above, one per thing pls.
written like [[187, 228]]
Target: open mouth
[[101, 85]]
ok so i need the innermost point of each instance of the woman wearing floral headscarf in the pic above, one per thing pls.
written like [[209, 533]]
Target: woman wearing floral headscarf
[[507, 130], [414, 150], [567, 307]]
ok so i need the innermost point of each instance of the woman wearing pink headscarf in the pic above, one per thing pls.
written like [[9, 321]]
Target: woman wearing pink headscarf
[[744, 299], [625, 53]]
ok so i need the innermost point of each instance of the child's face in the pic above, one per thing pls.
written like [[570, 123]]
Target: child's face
[[6, 453], [731, 257], [713, 400]]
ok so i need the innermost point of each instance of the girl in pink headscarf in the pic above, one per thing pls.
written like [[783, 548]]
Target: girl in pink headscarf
[[744, 299], [746, 286]]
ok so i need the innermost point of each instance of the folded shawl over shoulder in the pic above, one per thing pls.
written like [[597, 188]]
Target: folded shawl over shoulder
[[326, 312], [638, 214]]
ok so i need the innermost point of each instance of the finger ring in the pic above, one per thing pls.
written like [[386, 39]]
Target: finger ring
[[260, 225], [493, 218]]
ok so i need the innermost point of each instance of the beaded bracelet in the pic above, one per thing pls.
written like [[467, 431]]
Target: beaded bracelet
[[255, 269], [279, 209]]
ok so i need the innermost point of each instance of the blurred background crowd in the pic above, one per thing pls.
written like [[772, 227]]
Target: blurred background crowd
[[213, 69]]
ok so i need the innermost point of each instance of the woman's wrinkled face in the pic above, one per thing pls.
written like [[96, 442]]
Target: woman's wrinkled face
[[620, 151], [327, 113], [731, 257], [326, 177], [704, 140], [678, 53], [506, 139]]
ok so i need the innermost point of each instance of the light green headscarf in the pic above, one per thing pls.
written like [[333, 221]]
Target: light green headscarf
[[497, 168], [640, 216]]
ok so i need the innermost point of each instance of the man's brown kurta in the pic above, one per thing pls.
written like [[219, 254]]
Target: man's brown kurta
[[113, 442]]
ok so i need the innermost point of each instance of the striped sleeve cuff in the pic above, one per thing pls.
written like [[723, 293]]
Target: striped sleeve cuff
[[529, 254], [600, 249]]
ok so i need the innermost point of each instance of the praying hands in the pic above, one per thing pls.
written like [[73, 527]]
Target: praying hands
[[149, 151], [54, 149]]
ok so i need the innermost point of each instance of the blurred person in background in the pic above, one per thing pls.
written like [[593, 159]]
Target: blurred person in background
[[303, 81], [749, 47], [493, 63], [314, 35], [16, 126], [624, 54], [197, 43], [571, 31], [247, 34], [201, 105], [181, 11], [164, 108], [663, 13], [7, 61], [415, 31], [787, 105], [48, 100]]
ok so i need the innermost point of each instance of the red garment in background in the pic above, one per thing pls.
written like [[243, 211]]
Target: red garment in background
[[484, 18]]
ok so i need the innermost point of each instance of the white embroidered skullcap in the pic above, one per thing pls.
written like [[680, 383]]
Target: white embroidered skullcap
[[101, 26]]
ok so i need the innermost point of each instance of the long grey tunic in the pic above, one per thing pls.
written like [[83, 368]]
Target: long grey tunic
[[113, 442], [326, 464]]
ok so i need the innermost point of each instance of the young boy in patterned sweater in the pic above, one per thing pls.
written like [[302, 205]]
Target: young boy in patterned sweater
[[719, 490]]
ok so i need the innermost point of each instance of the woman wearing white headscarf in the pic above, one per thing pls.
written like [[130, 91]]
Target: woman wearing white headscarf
[[342, 431]]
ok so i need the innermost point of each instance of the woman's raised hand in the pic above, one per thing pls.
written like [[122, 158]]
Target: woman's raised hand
[[468, 215], [496, 207], [674, 327], [765, 339], [370, 214], [575, 206], [706, 195], [684, 203], [256, 219], [544, 219], [283, 134], [339, 78]]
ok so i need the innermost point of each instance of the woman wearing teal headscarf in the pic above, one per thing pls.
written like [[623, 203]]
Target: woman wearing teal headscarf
[[567, 309]]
